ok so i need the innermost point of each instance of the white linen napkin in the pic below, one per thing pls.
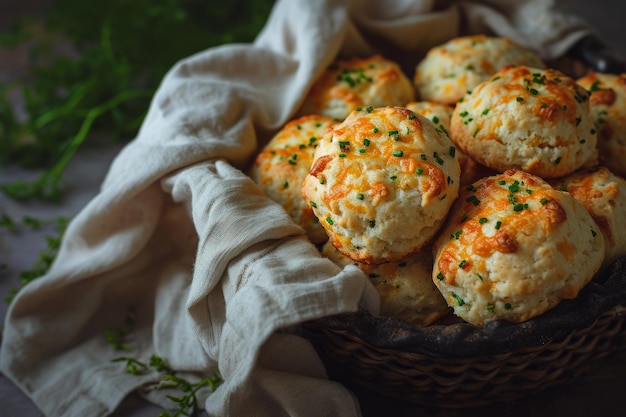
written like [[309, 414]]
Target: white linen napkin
[[217, 275]]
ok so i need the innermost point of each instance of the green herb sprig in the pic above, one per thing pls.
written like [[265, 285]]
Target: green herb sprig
[[46, 257], [187, 402]]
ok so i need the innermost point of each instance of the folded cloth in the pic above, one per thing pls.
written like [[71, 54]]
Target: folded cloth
[[216, 275]]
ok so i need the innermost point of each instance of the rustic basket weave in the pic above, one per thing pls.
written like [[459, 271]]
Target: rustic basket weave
[[424, 377]]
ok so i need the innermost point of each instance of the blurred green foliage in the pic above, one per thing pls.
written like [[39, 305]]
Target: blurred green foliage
[[100, 84]]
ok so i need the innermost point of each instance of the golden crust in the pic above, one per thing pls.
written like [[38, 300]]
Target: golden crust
[[449, 70], [529, 119], [406, 289], [513, 247], [608, 110], [381, 183], [281, 166], [604, 195], [358, 82]]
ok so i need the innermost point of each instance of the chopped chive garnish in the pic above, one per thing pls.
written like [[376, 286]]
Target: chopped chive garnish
[[498, 224], [472, 199], [519, 99], [360, 196], [375, 130], [342, 155], [366, 142], [482, 220], [329, 220], [514, 187], [490, 307], [543, 201], [507, 306], [419, 171], [470, 187], [463, 113], [398, 153], [440, 276], [411, 116], [485, 112], [372, 223], [458, 299], [369, 109], [435, 120], [313, 204], [452, 151]]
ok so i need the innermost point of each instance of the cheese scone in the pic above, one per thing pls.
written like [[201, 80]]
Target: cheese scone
[[513, 247], [281, 166], [406, 288], [608, 110], [382, 182], [604, 195], [449, 70], [529, 119], [441, 114], [359, 82]]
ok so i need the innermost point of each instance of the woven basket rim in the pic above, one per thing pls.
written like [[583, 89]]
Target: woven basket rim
[[605, 294]]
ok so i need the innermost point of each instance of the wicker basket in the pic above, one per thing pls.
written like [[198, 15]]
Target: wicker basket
[[448, 370]]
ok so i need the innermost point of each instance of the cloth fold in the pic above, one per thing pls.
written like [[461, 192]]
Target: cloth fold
[[217, 275]]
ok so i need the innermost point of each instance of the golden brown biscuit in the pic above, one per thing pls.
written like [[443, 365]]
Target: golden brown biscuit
[[280, 168], [353, 83], [381, 183], [608, 110], [406, 288], [449, 70], [529, 119], [604, 195], [513, 247]]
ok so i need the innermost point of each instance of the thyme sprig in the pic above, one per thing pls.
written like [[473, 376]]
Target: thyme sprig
[[46, 257], [186, 404]]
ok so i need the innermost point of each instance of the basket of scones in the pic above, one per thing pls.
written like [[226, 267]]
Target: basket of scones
[[484, 198]]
